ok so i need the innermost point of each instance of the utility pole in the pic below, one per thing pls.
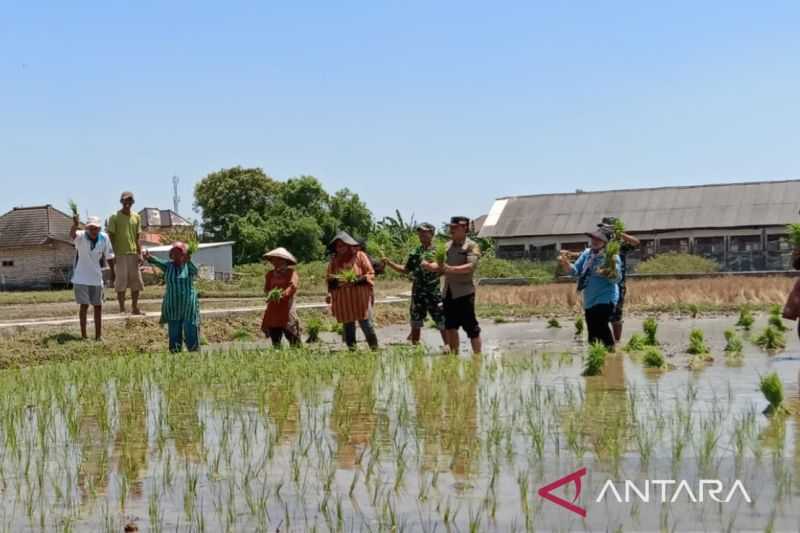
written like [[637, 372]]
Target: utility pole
[[176, 200]]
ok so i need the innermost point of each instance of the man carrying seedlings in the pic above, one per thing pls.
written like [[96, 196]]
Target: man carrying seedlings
[[350, 279], [426, 295], [280, 285], [598, 283], [92, 250], [628, 243], [458, 269], [180, 308], [124, 228]]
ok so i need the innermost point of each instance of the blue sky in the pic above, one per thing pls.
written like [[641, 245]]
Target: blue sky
[[434, 108]]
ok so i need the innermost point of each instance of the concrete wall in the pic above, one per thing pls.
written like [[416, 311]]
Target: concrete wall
[[37, 267], [214, 262]]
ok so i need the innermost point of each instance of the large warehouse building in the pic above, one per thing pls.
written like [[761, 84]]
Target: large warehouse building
[[741, 225]]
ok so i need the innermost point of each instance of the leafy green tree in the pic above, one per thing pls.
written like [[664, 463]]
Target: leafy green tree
[[350, 213]]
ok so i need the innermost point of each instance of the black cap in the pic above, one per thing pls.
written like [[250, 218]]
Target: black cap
[[426, 227], [125, 195], [459, 221]]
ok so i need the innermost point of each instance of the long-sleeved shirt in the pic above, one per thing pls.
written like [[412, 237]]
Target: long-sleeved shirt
[[278, 314], [180, 297], [599, 288]]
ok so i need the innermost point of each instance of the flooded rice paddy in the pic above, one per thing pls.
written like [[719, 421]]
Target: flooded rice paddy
[[241, 440]]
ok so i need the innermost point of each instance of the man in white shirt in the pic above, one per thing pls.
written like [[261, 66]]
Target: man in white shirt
[[92, 251]]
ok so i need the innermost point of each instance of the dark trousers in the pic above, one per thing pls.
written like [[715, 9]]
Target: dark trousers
[[180, 332], [366, 327], [276, 335], [597, 322]]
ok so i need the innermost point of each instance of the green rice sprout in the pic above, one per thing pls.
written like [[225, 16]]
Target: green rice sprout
[[275, 295], [553, 323], [650, 327], [776, 318], [653, 358], [314, 326], [348, 276], [73, 207], [636, 343], [595, 359], [772, 389], [746, 318], [580, 325], [697, 343], [694, 310], [440, 253], [794, 234], [619, 229], [771, 339], [733, 342], [611, 255], [192, 246]]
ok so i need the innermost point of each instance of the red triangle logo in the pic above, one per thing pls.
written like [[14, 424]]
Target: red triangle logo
[[575, 477]]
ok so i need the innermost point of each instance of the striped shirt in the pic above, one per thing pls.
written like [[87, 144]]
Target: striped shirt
[[349, 302], [180, 297]]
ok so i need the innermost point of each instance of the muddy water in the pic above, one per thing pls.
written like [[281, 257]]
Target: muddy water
[[415, 442]]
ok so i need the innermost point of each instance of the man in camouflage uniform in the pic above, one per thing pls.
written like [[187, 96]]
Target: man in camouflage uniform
[[426, 298]]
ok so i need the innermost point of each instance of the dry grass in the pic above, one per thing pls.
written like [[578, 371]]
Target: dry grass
[[711, 294]]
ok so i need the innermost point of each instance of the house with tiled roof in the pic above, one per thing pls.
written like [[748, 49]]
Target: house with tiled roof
[[35, 249]]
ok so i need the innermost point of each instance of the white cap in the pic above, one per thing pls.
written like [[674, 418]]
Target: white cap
[[93, 221]]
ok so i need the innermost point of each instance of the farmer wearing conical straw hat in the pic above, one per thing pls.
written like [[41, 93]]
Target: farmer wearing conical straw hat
[[281, 284], [350, 279]]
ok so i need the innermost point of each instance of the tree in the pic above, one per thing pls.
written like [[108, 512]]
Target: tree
[[350, 213], [228, 194]]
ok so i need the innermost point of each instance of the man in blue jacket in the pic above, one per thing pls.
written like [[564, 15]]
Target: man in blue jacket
[[599, 287]]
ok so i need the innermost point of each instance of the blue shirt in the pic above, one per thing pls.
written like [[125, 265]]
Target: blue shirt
[[599, 289]]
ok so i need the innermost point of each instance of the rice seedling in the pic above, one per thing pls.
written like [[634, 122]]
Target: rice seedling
[[348, 275], [746, 318], [595, 359], [653, 358], [636, 343], [611, 256], [580, 325], [192, 245], [313, 327], [553, 323], [776, 318], [694, 310], [73, 207], [697, 343], [650, 327], [733, 344], [771, 339], [771, 387], [275, 295]]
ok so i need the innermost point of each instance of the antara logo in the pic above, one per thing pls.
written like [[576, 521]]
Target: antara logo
[[706, 489]]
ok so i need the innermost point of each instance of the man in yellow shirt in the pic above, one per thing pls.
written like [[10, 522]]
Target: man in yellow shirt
[[124, 227]]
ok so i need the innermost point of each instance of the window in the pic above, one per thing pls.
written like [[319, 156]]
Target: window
[[511, 251], [574, 246], [8, 263]]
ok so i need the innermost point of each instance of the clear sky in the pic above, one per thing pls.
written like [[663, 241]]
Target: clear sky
[[432, 107]]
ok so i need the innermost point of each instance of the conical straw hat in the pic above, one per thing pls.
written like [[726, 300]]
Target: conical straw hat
[[280, 253]]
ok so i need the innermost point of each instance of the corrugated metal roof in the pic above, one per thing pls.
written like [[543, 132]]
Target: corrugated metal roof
[[767, 203], [31, 226]]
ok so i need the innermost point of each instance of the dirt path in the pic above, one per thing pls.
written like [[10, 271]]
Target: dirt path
[[48, 321]]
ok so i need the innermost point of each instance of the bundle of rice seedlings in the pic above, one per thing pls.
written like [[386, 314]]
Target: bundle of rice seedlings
[[348, 276], [776, 318], [553, 323], [275, 295], [579, 325], [313, 326], [192, 245], [653, 358], [73, 207], [619, 229], [772, 389], [650, 327], [697, 343], [440, 253], [636, 343], [771, 339], [595, 359], [746, 318], [611, 254], [794, 234], [733, 342], [694, 310]]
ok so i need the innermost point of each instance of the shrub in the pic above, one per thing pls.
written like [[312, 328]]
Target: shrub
[[697, 343], [771, 339], [772, 389], [636, 343], [595, 359], [746, 318], [535, 271], [676, 263], [650, 327], [653, 358]]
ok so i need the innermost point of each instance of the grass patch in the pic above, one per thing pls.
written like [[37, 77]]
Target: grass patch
[[677, 263]]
